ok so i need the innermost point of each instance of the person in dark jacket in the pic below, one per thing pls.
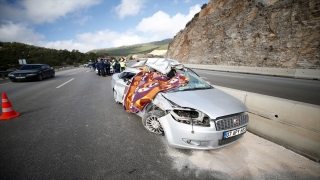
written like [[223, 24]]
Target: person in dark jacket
[[93, 65], [117, 67], [107, 67], [101, 68]]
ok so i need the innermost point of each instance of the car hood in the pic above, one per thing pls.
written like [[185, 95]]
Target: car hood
[[213, 102], [26, 71]]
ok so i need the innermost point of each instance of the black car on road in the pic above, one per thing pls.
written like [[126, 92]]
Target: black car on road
[[32, 72]]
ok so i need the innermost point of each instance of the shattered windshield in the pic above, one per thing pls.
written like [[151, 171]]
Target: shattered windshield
[[195, 82]]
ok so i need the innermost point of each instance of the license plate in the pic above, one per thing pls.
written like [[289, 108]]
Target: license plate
[[19, 77], [235, 132]]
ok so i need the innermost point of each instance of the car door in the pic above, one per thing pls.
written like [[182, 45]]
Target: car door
[[46, 71], [121, 83]]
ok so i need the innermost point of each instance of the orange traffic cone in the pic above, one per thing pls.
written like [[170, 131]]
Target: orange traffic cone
[[7, 110]]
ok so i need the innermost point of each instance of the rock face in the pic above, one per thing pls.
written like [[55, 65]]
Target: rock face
[[256, 33]]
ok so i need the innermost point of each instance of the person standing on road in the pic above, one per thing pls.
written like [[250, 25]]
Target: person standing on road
[[107, 66], [101, 68], [112, 64], [93, 66], [117, 67], [122, 66]]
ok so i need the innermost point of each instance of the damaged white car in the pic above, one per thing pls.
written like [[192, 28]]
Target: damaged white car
[[174, 101]]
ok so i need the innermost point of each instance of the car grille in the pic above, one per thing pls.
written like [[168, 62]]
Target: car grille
[[229, 140], [19, 75], [229, 121]]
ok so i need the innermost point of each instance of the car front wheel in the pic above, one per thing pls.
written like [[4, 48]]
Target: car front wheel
[[151, 121]]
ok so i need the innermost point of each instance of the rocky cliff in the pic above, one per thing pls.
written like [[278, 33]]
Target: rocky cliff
[[256, 33]]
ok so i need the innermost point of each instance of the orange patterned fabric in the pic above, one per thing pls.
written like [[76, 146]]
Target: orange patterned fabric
[[146, 85]]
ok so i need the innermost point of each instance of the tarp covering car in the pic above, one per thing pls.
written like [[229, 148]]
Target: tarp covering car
[[146, 85]]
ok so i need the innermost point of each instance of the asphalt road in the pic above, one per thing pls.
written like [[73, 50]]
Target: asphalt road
[[70, 128]]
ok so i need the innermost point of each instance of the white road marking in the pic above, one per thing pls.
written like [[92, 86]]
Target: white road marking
[[65, 83], [74, 73]]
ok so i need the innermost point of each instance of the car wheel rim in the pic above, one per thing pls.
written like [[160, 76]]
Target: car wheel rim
[[153, 125]]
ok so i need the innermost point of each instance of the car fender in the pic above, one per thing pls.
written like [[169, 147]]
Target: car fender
[[162, 102]]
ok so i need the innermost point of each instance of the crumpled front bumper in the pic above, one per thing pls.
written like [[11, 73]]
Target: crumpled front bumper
[[179, 135]]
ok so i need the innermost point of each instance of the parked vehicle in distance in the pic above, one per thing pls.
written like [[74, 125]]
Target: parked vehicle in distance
[[29, 72], [86, 64], [194, 115]]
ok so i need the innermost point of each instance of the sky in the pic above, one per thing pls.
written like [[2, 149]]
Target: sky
[[85, 25]]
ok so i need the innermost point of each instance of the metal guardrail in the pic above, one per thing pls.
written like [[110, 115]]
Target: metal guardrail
[[4, 74], [63, 67]]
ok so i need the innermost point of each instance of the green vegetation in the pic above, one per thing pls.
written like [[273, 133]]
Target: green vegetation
[[11, 52], [164, 47]]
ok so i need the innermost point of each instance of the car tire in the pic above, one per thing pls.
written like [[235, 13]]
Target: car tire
[[53, 74], [40, 77], [151, 121], [115, 96]]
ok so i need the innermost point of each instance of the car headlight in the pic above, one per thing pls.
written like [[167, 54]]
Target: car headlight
[[31, 74], [11, 75], [190, 116]]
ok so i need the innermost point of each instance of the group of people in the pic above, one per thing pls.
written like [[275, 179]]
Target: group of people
[[104, 66]]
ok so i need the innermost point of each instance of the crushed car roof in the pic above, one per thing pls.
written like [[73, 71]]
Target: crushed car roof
[[162, 65]]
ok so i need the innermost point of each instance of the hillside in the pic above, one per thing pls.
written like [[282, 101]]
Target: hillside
[[134, 49], [255, 33]]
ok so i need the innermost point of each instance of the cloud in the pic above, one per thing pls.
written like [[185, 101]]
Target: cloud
[[100, 39], [84, 42], [19, 33], [162, 25], [41, 11], [83, 20], [107, 38], [66, 44], [129, 8]]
